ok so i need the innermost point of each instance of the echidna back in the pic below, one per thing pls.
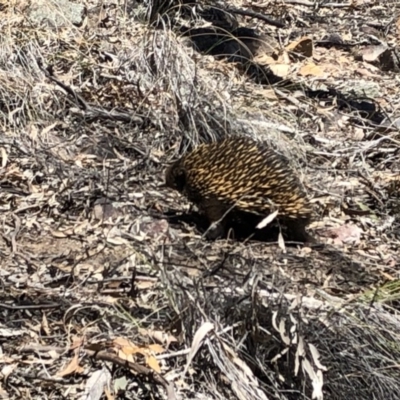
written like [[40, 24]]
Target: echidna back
[[243, 173]]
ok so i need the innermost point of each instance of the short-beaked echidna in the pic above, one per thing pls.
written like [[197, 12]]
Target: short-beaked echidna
[[239, 173]]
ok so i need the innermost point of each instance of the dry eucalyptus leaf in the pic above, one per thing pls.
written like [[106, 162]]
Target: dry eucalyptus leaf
[[316, 377], [153, 364], [372, 53], [120, 384], [316, 356], [281, 242], [267, 220], [282, 330], [159, 336], [4, 157], [96, 384], [61, 234], [72, 368], [281, 70], [311, 69], [199, 336], [264, 59], [303, 46]]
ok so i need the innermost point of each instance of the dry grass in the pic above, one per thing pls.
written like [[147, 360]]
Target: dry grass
[[94, 275]]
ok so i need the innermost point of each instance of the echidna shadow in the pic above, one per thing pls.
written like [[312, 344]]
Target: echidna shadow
[[236, 183]]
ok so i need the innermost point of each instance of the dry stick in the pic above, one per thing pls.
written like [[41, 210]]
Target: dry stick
[[336, 5], [311, 4], [257, 15], [299, 3], [29, 306], [49, 74], [88, 110]]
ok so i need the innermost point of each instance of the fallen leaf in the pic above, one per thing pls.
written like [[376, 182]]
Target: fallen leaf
[[127, 350], [303, 46], [267, 220], [3, 394], [108, 394], [264, 59], [311, 69], [156, 348], [76, 343], [372, 53], [45, 325], [119, 341], [281, 242], [153, 364], [49, 128], [72, 367], [4, 157], [96, 385], [316, 356], [120, 384], [281, 70], [159, 336], [316, 379], [199, 336], [349, 234], [7, 370], [60, 234]]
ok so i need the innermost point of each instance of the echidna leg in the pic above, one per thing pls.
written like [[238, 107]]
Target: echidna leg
[[296, 230], [215, 214]]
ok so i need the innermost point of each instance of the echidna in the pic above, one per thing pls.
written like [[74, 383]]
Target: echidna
[[243, 175]]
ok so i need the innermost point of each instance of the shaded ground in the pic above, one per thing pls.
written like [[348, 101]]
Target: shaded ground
[[103, 296]]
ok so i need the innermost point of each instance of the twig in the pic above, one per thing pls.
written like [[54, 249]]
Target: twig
[[87, 110], [257, 15], [29, 306], [49, 74], [311, 4]]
